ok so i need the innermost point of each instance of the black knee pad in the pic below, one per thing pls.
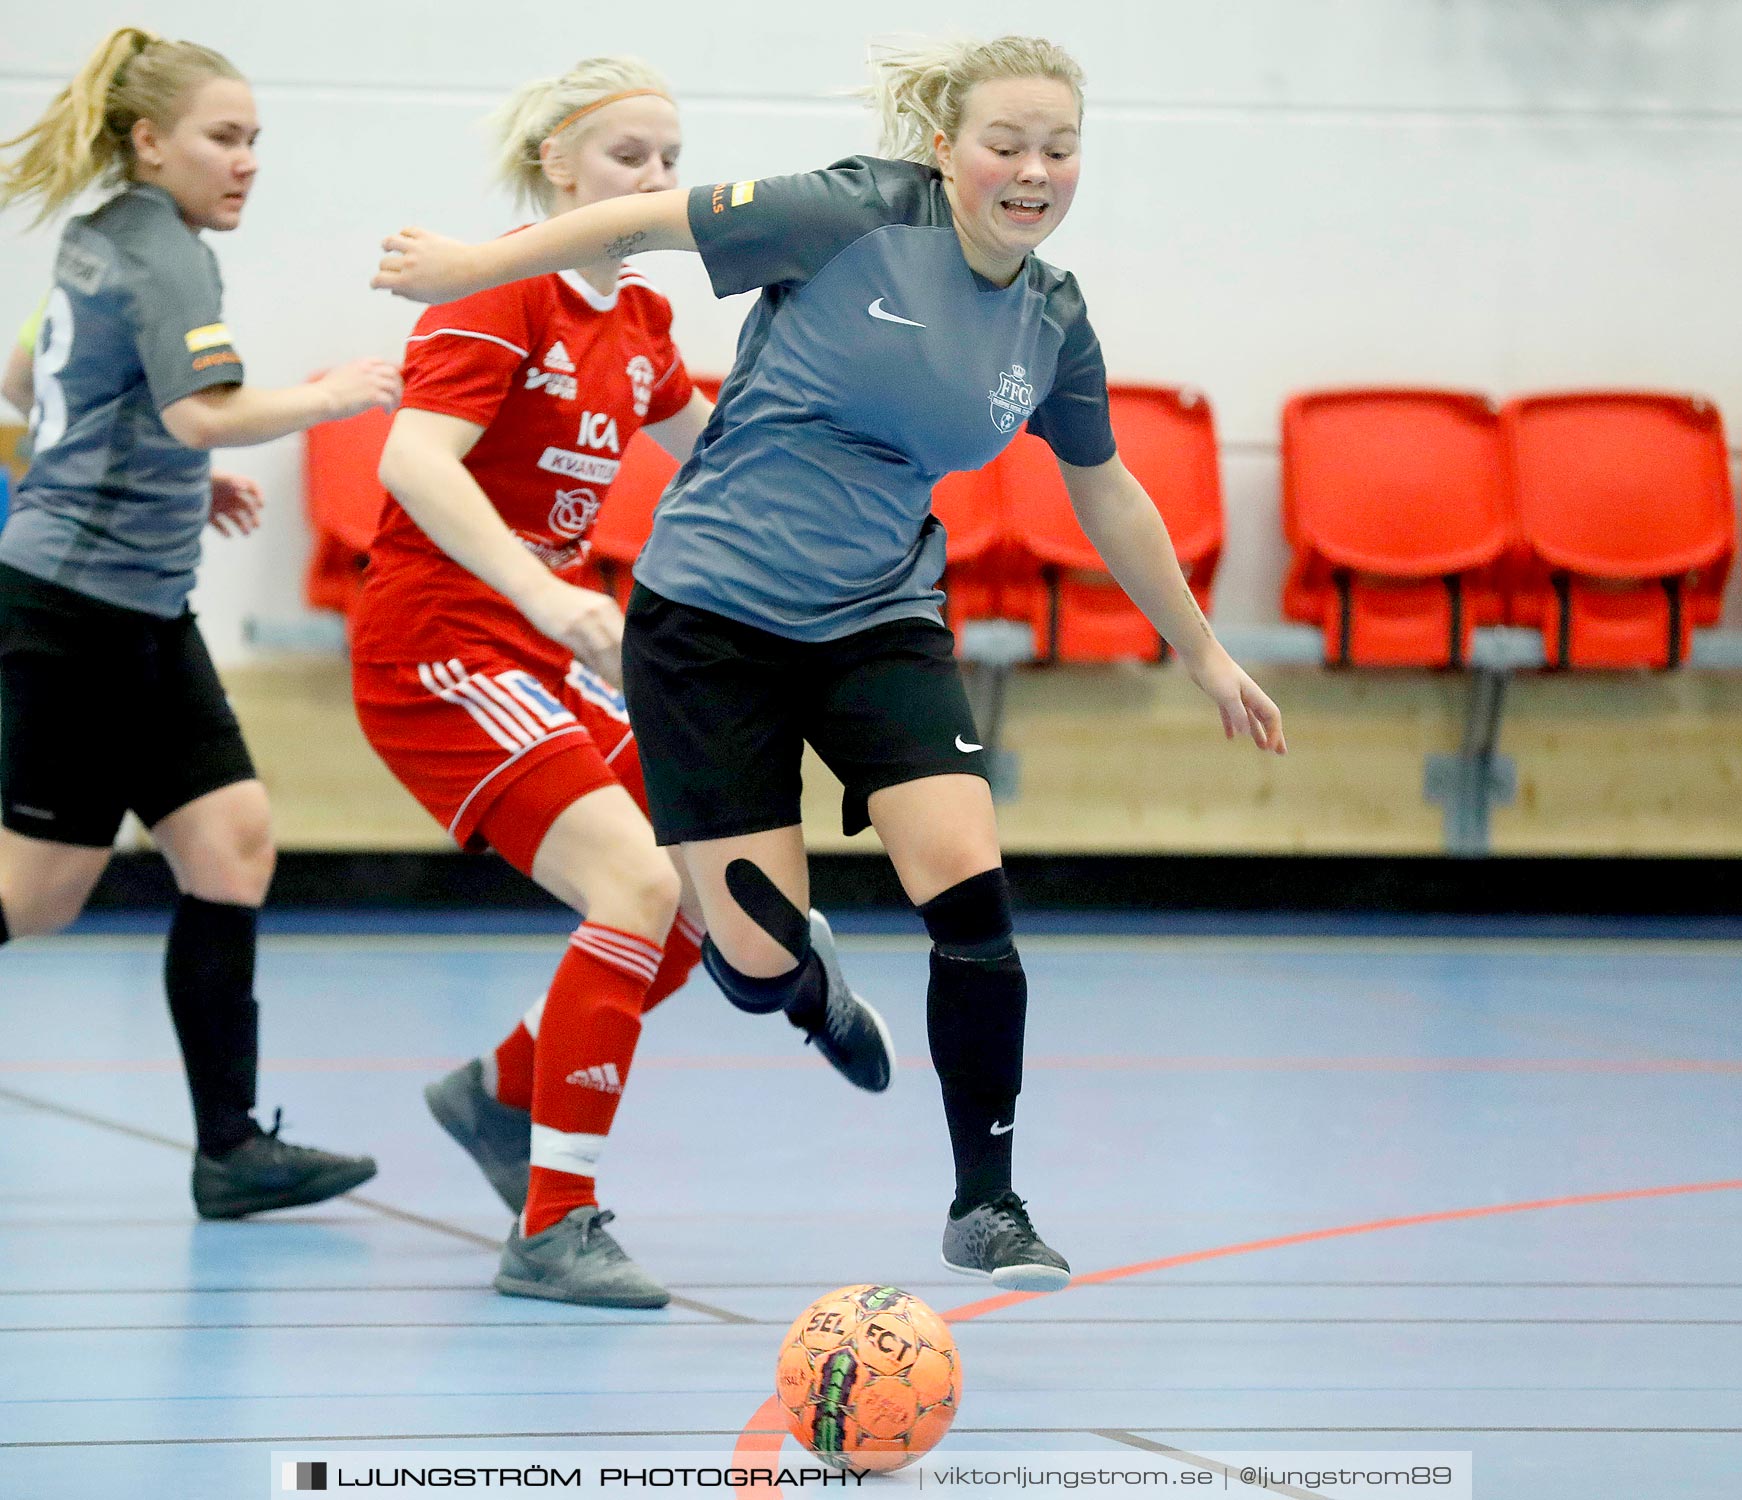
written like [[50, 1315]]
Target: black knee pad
[[760, 997], [972, 918]]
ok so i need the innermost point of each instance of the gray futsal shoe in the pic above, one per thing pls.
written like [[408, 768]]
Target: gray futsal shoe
[[265, 1173], [495, 1135], [852, 1037], [997, 1241], [575, 1260]]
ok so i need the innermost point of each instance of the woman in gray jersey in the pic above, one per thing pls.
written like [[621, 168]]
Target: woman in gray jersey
[[788, 592], [108, 699]]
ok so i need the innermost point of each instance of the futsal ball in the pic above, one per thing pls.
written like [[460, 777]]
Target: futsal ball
[[868, 1378]]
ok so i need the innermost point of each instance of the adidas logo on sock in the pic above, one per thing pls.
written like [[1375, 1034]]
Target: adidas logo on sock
[[558, 358], [601, 1076]]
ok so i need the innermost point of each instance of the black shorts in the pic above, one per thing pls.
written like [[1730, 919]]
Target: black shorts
[[103, 710], [721, 712]]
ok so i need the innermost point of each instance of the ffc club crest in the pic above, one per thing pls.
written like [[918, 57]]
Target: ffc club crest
[[1013, 400], [574, 512]]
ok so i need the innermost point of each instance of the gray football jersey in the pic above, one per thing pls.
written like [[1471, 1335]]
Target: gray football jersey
[[875, 362], [112, 505]]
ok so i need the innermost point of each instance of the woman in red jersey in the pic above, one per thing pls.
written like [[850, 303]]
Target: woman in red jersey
[[485, 675]]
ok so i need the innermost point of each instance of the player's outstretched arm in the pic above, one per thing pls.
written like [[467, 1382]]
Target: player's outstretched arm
[[430, 267], [238, 416], [1127, 530], [421, 468]]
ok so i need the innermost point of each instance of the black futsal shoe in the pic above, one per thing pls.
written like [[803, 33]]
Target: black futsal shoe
[[851, 1035], [996, 1241], [264, 1173], [495, 1135]]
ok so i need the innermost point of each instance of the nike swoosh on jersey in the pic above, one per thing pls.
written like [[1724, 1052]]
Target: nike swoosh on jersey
[[965, 747], [876, 311]]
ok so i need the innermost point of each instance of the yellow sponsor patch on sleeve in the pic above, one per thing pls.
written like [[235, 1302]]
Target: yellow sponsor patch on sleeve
[[742, 193], [208, 337]]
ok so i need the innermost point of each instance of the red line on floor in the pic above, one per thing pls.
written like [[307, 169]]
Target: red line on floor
[[1372, 1226], [766, 1428], [761, 1438]]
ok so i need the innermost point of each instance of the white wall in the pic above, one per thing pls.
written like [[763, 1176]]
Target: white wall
[[1500, 194]]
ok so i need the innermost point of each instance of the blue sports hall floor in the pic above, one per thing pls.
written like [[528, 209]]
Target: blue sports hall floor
[[1432, 1187]]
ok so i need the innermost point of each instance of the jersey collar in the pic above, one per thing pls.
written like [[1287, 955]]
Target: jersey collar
[[590, 294]]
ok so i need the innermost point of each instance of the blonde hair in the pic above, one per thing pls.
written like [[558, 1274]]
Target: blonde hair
[[86, 133], [539, 109], [919, 91]]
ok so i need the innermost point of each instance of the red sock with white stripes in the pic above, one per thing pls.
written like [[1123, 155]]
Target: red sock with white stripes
[[508, 1071], [586, 1040], [683, 951]]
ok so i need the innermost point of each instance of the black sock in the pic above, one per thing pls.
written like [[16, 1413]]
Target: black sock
[[976, 1009], [801, 992], [208, 972], [5, 931]]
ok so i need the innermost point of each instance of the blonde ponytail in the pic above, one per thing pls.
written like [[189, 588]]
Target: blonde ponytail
[[86, 133], [549, 106], [919, 90]]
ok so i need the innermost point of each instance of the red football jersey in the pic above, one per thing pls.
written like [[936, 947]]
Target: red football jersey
[[560, 378]]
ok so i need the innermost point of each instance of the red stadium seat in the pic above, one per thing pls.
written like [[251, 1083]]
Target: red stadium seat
[[1395, 506], [971, 506], [1628, 523], [343, 500], [1056, 579]]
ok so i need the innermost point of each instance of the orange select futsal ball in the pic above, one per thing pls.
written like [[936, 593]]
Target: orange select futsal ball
[[868, 1378]]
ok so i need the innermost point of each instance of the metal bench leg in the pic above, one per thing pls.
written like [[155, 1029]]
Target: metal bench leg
[[1477, 778], [993, 648]]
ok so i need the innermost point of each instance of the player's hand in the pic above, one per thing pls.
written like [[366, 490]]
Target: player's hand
[[428, 267], [361, 384], [1244, 708], [588, 623], [236, 504]]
